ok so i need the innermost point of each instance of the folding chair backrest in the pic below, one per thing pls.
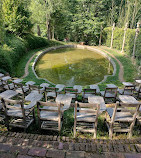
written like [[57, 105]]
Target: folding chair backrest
[[90, 91], [87, 108], [34, 88], [129, 89], [1, 81], [51, 89], [111, 90], [71, 90], [12, 104], [126, 108], [139, 90], [41, 106], [18, 85], [6, 83]]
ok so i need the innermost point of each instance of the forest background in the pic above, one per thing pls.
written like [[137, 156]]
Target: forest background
[[26, 24]]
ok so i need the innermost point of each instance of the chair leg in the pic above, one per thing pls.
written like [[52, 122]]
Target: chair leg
[[59, 126], [7, 122], [39, 124], [83, 99], [110, 132], [74, 129], [106, 115], [130, 133], [25, 130], [46, 97], [95, 133], [34, 115], [74, 132]]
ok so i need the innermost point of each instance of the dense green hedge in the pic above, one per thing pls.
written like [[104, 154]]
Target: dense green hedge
[[118, 39], [15, 47]]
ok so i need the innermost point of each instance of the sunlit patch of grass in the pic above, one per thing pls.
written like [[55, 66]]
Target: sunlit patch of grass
[[102, 131], [2, 128], [68, 122]]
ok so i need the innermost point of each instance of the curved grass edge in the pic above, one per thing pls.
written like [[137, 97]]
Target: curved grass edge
[[40, 54], [130, 70]]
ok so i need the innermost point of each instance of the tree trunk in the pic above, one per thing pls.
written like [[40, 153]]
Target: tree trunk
[[133, 15], [48, 26], [100, 36], [49, 31], [38, 30], [112, 35], [53, 33], [125, 29], [136, 35]]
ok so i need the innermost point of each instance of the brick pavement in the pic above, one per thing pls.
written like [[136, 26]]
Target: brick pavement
[[21, 145]]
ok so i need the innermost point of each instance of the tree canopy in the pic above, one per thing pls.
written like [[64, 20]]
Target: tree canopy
[[77, 20], [16, 16]]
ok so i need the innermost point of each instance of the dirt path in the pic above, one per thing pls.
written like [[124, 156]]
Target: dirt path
[[26, 67], [121, 70]]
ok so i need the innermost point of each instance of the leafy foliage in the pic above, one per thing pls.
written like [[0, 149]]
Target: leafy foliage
[[16, 47], [118, 39], [16, 16], [1, 25]]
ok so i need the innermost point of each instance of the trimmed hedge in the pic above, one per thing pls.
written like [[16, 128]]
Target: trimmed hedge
[[118, 39], [15, 47]]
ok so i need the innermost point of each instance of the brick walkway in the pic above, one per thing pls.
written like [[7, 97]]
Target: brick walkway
[[21, 145]]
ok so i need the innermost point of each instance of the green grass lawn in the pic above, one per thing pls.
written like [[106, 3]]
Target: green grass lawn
[[130, 70]]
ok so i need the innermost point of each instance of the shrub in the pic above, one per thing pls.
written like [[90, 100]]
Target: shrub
[[15, 47]]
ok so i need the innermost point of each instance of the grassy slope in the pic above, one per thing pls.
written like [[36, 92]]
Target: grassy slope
[[130, 71], [19, 68]]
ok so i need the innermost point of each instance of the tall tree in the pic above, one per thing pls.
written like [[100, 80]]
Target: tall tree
[[130, 11], [87, 20], [1, 25], [16, 16], [44, 11]]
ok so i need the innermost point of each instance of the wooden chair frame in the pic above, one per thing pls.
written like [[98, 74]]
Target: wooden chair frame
[[112, 122], [88, 91], [109, 90], [129, 88], [27, 120], [2, 116], [72, 91], [40, 107], [50, 89], [34, 87], [139, 92], [8, 85], [89, 108], [19, 85]]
